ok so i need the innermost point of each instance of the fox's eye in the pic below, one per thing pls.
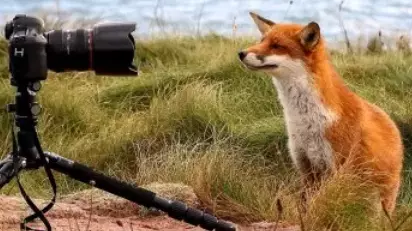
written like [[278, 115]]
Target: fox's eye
[[274, 46]]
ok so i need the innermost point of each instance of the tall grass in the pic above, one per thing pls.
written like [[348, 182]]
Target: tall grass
[[195, 115]]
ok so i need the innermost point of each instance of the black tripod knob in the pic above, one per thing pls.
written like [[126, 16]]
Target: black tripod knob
[[35, 109], [35, 86]]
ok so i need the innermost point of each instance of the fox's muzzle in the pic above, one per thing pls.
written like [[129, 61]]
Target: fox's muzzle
[[259, 62]]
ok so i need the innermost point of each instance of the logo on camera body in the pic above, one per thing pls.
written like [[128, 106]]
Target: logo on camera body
[[19, 52]]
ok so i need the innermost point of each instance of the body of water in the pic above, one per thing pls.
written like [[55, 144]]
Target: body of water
[[360, 17]]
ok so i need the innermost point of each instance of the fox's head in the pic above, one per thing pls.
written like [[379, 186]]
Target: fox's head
[[285, 49]]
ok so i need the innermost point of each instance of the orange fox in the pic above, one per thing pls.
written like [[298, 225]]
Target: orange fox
[[328, 125]]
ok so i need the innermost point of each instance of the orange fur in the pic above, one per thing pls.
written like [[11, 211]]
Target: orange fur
[[363, 137]]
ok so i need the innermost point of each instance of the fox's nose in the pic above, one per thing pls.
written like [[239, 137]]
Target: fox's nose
[[242, 54]]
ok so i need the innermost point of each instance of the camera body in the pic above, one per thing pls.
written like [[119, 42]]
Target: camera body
[[27, 49], [108, 49]]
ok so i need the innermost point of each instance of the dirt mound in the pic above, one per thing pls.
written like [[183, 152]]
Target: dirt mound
[[95, 210]]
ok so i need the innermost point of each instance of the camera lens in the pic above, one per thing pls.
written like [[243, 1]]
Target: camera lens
[[69, 50], [107, 49]]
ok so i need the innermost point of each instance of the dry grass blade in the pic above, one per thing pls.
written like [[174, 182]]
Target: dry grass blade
[[89, 221], [279, 208], [287, 11], [388, 217], [403, 221], [345, 32]]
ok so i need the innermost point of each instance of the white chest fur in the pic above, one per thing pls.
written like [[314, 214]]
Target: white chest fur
[[306, 121]]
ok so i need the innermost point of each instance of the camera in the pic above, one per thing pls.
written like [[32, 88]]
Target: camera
[[107, 49]]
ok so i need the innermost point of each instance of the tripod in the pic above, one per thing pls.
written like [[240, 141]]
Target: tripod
[[27, 154]]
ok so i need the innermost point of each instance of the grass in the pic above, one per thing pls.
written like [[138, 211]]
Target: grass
[[196, 116]]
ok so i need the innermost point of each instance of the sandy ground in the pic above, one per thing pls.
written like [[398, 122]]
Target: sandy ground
[[94, 210]]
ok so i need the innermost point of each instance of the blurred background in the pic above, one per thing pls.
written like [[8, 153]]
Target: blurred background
[[359, 17]]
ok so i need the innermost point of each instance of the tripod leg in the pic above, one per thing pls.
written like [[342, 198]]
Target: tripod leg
[[7, 171], [174, 209]]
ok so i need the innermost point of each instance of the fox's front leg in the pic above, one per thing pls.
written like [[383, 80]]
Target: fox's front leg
[[310, 175], [307, 176]]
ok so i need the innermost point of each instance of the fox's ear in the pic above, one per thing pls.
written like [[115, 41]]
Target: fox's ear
[[310, 35], [262, 23]]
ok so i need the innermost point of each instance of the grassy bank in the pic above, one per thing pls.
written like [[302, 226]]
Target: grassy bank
[[195, 115]]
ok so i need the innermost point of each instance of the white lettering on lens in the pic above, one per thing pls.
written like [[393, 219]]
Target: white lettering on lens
[[68, 42]]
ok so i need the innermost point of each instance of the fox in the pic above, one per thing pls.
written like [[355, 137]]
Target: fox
[[328, 125]]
